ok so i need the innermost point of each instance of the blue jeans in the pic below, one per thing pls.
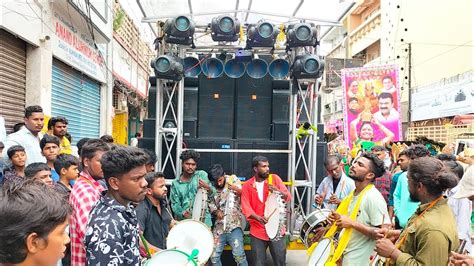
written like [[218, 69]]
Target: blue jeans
[[236, 240]]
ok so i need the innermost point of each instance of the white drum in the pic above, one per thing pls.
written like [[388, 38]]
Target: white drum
[[188, 235], [314, 226], [275, 212], [170, 257], [321, 252], [200, 205]]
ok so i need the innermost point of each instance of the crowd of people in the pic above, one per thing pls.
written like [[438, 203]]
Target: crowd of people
[[107, 205]]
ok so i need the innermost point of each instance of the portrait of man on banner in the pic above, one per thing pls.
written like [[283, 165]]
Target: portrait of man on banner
[[372, 106]]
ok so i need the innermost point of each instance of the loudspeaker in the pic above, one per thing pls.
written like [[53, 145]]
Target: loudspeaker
[[253, 113], [190, 106], [192, 66], [207, 159], [189, 128], [216, 107], [280, 131], [149, 127], [281, 106], [322, 151], [147, 143], [152, 101], [212, 68], [320, 128]]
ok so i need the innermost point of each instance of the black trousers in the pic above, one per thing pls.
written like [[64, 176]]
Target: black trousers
[[259, 251]]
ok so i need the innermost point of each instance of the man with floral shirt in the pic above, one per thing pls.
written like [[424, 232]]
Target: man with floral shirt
[[226, 208], [112, 232]]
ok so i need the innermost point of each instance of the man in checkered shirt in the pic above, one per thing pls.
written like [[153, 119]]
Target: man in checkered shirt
[[85, 193]]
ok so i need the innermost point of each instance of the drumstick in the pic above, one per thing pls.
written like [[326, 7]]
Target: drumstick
[[325, 192], [274, 210]]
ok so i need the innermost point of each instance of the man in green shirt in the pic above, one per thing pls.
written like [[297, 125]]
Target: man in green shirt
[[185, 187], [431, 233]]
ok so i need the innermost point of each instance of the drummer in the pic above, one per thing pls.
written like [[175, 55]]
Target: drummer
[[228, 232], [184, 188], [253, 200], [335, 186]]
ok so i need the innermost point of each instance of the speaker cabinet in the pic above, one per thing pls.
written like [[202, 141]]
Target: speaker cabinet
[[281, 106], [189, 128], [207, 159], [149, 127], [280, 131], [190, 106]]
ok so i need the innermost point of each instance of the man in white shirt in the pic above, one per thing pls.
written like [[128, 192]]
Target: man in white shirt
[[386, 112], [29, 136]]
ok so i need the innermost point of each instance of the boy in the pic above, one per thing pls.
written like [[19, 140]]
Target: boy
[[40, 172], [50, 149], [17, 156], [32, 228], [66, 166]]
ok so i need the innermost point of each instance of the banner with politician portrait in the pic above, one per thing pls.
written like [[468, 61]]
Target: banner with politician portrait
[[371, 106]]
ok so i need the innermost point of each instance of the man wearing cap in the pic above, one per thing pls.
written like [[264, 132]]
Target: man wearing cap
[[466, 190]]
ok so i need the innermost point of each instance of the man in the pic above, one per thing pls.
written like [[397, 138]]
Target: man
[[386, 113], [388, 85], [33, 224], [403, 162], [228, 224], [361, 212], [29, 136], [353, 90], [150, 165], [134, 140], [57, 126], [465, 190], [431, 232], [403, 206], [40, 172], [112, 231], [154, 218], [50, 149], [254, 196], [185, 187], [335, 186], [383, 183], [85, 193]]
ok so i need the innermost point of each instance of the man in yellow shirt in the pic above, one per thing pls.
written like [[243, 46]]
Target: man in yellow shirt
[[57, 126]]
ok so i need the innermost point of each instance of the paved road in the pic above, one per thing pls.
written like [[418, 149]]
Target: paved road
[[293, 258]]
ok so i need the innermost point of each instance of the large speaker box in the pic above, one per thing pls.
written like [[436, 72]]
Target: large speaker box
[[207, 159]]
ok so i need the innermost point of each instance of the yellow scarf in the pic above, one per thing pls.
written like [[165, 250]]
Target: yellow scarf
[[343, 209]]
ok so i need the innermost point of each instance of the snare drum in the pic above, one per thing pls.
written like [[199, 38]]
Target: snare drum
[[275, 212], [322, 252], [200, 205], [188, 235], [314, 226], [170, 257]]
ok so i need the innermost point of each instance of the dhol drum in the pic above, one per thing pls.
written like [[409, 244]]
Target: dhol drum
[[200, 205], [314, 226], [322, 252], [188, 235], [171, 257], [275, 212], [377, 260]]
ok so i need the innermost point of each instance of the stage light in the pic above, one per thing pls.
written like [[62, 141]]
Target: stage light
[[179, 30], [279, 68], [261, 35], [307, 66], [225, 29], [301, 34], [167, 67]]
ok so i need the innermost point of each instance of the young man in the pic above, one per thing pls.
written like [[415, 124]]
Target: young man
[[185, 187], [17, 156], [153, 214], [431, 233], [85, 193], [228, 189], [67, 167], [254, 196], [360, 213], [150, 165], [40, 172], [403, 206], [383, 183], [335, 186], [57, 126], [403, 161], [29, 136], [33, 224], [112, 231], [50, 149]]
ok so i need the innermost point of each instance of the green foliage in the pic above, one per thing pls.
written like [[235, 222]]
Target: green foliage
[[118, 19]]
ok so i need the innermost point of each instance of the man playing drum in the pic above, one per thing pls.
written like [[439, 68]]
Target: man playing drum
[[360, 213], [335, 186], [254, 196], [226, 208], [185, 187]]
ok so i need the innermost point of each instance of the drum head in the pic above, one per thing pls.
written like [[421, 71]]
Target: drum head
[[170, 257], [273, 224], [314, 226], [321, 252], [199, 201], [188, 235]]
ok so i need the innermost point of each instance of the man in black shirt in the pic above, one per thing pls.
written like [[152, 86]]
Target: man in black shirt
[[153, 214]]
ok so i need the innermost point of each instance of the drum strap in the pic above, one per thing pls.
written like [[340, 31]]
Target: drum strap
[[346, 235]]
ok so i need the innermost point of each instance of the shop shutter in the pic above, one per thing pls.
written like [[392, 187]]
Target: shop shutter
[[76, 97], [12, 79]]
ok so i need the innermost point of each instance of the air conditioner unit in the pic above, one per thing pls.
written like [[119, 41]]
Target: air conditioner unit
[[120, 103]]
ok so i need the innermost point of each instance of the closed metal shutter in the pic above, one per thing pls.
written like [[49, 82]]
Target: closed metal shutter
[[12, 79], [76, 97]]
